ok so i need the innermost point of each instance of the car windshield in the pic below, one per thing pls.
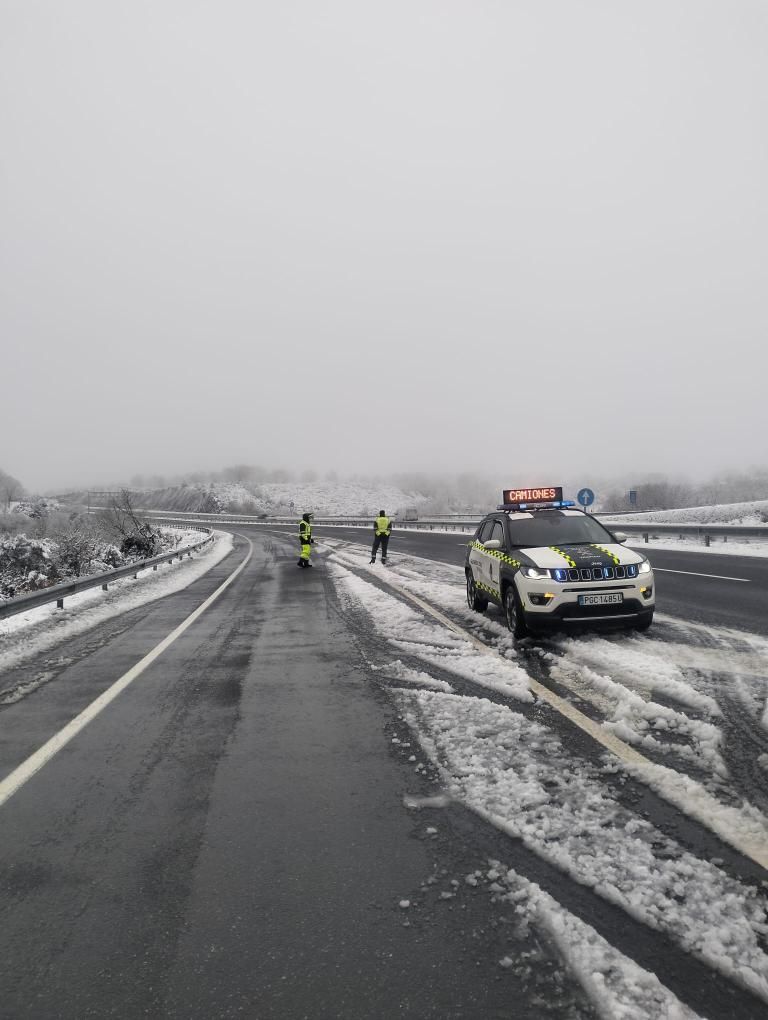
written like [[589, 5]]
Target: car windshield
[[552, 527]]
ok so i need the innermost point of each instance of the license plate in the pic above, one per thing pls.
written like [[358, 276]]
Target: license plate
[[609, 599]]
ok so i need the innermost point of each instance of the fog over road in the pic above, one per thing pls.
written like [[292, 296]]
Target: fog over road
[[251, 829]]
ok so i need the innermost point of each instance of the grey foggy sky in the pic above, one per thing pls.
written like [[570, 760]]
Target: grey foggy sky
[[521, 237]]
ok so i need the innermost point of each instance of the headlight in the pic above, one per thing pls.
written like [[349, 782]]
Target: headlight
[[644, 567], [535, 572]]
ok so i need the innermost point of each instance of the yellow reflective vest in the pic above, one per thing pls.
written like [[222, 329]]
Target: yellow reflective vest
[[305, 531], [383, 526]]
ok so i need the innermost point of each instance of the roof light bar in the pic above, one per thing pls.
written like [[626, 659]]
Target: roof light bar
[[554, 505]]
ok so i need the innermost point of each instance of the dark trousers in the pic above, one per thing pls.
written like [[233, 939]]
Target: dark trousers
[[383, 541]]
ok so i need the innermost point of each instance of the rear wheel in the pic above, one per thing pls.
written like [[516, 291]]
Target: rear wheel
[[513, 613], [475, 601]]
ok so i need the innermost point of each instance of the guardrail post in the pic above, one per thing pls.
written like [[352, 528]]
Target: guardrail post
[[104, 587], [645, 537], [154, 566], [59, 603], [707, 540]]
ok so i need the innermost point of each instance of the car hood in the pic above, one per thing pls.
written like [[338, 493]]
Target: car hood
[[551, 557]]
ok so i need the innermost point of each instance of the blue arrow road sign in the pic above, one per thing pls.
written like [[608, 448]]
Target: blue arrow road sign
[[586, 497]]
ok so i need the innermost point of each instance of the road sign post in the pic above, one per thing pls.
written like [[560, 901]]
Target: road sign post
[[585, 497]]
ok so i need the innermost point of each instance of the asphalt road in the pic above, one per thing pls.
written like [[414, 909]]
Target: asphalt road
[[229, 838]]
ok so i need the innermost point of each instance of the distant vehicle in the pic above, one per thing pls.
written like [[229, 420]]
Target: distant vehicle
[[410, 514], [550, 567]]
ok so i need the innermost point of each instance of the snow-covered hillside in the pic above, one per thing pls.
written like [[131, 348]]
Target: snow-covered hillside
[[327, 498]]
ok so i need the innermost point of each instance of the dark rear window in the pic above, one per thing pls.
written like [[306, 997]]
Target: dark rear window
[[551, 527]]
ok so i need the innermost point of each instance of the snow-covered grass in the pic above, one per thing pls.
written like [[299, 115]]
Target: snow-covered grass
[[753, 512], [42, 629], [692, 543]]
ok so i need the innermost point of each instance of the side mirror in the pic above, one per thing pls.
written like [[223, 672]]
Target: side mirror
[[492, 543], [619, 536]]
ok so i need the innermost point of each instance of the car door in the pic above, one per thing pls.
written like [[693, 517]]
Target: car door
[[478, 559], [493, 563]]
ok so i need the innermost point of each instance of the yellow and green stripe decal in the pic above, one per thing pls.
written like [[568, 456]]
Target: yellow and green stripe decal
[[607, 552], [486, 587], [496, 553], [568, 559]]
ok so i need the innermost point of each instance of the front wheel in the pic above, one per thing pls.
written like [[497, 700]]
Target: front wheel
[[643, 625], [513, 614], [475, 601]]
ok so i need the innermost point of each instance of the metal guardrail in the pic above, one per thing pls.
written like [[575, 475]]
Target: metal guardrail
[[58, 592], [468, 522]]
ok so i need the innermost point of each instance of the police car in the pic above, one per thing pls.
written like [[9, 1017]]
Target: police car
[[550, 566]]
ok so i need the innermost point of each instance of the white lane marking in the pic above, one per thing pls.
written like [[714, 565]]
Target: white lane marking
[[24, 772], [684, 794], [695, 573]]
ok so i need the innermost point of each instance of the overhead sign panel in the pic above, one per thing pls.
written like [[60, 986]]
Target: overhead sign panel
[[551, 494]]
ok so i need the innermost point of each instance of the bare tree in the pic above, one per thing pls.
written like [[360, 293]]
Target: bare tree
[[137, 536], [11, 489]]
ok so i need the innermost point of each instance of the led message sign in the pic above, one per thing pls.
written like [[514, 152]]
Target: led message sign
[[539, 495]]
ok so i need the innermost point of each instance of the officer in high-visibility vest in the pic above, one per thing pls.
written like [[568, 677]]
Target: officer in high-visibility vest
[[305, 539], [382, 529]]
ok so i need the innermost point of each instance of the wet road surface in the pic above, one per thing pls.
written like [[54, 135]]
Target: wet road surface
[[229, 838]]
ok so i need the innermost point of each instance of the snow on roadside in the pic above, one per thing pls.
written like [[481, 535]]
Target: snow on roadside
[[38, 630], [514, 773], [638, 720], [409, 631], [616, 986]]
